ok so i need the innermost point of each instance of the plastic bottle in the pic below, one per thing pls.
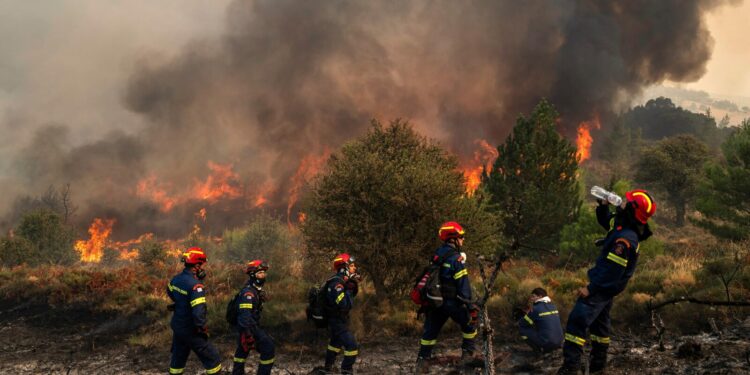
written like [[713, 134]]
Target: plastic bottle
[[609, 196]]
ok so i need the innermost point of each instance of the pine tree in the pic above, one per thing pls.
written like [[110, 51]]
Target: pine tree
[[534, 181], [674, 166], [723, 199]]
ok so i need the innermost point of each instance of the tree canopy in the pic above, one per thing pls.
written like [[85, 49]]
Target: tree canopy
[[534, 181], [382, 198], [724, 196], [674, 166]]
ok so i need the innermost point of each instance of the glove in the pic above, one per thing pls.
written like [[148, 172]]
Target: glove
[[263, 295], [473, 314], [248, 342], [352, 286], [202, 332], [170, 307], [518, 313], [355, 277]]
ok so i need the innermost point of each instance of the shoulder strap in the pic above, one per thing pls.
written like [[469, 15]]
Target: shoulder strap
[[441, 259]]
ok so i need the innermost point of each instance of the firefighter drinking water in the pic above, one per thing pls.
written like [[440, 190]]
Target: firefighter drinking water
[[609, 276]]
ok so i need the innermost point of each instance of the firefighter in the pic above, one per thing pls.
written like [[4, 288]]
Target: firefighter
[[340, 291], [457, 302], [540, 327], [609, 276], [250, 305], [188, 323]]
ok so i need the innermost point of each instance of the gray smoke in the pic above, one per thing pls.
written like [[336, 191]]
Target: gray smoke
[[291, 78]]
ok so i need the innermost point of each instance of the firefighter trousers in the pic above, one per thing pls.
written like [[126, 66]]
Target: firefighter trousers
[[184, 342], [263, 344], [436, 318], [589, 314], [341, 340]]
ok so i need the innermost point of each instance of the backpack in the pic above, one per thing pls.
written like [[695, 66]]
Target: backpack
[[233, 308], [427, 289], [316, 307]]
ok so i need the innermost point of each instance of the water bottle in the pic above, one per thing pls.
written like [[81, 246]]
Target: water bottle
[[608, 196]]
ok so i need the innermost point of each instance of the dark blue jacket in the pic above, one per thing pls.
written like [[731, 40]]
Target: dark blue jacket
[[454, 277], [189, 296], [617, 260], [250, 306], [339, 299], [543, 324]]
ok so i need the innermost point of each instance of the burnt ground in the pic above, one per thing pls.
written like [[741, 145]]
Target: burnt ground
[[35, 339]]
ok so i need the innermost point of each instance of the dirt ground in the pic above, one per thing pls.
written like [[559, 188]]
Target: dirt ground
[[33, 342]]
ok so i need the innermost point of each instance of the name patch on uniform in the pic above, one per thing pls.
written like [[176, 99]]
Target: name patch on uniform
[[199, 290], [339, 287]]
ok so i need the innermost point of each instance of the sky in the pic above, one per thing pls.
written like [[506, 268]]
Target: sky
[[728, 71]]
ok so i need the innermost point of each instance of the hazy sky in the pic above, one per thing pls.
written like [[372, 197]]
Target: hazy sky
[[728, 71]]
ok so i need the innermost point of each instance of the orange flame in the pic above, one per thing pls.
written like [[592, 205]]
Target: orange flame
[[93, 249], [484, 157], [301, 217], [308, 167], [584, 139], [222, 182], [129, 254], [201, 214], [148, 188]]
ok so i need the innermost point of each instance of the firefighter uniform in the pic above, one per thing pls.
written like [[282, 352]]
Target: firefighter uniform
[[456, 291], [251, 334], [339, 297], [541, 327], [609, 276], [189, 324]]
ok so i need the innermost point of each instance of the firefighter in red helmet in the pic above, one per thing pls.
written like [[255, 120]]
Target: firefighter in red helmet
[[457, 301], [613, 269], [339, 291], [251, 334], [189, 320]]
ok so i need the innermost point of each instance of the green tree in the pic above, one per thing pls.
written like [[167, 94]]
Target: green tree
[[674, 166], [262, 238], [383, 197], [724, 196], [534, 181], [660, 118], [40, 238], [151, 252]]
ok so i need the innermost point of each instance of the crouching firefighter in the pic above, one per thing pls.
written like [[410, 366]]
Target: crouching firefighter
[[457, 302], [609, 276], [340, 291], [188, 323], [249, 306], [540, 327]]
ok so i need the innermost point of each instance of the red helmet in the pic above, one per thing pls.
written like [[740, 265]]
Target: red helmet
[[450, 230], [194, 255], [342, 260], [254, 266], [644, 205]]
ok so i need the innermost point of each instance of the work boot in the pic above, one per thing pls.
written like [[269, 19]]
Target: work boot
[[423, 365], [468, 359], [347, 372], [597, 367]]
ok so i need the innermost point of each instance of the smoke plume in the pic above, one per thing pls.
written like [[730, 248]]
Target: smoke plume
[[290, 80]]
